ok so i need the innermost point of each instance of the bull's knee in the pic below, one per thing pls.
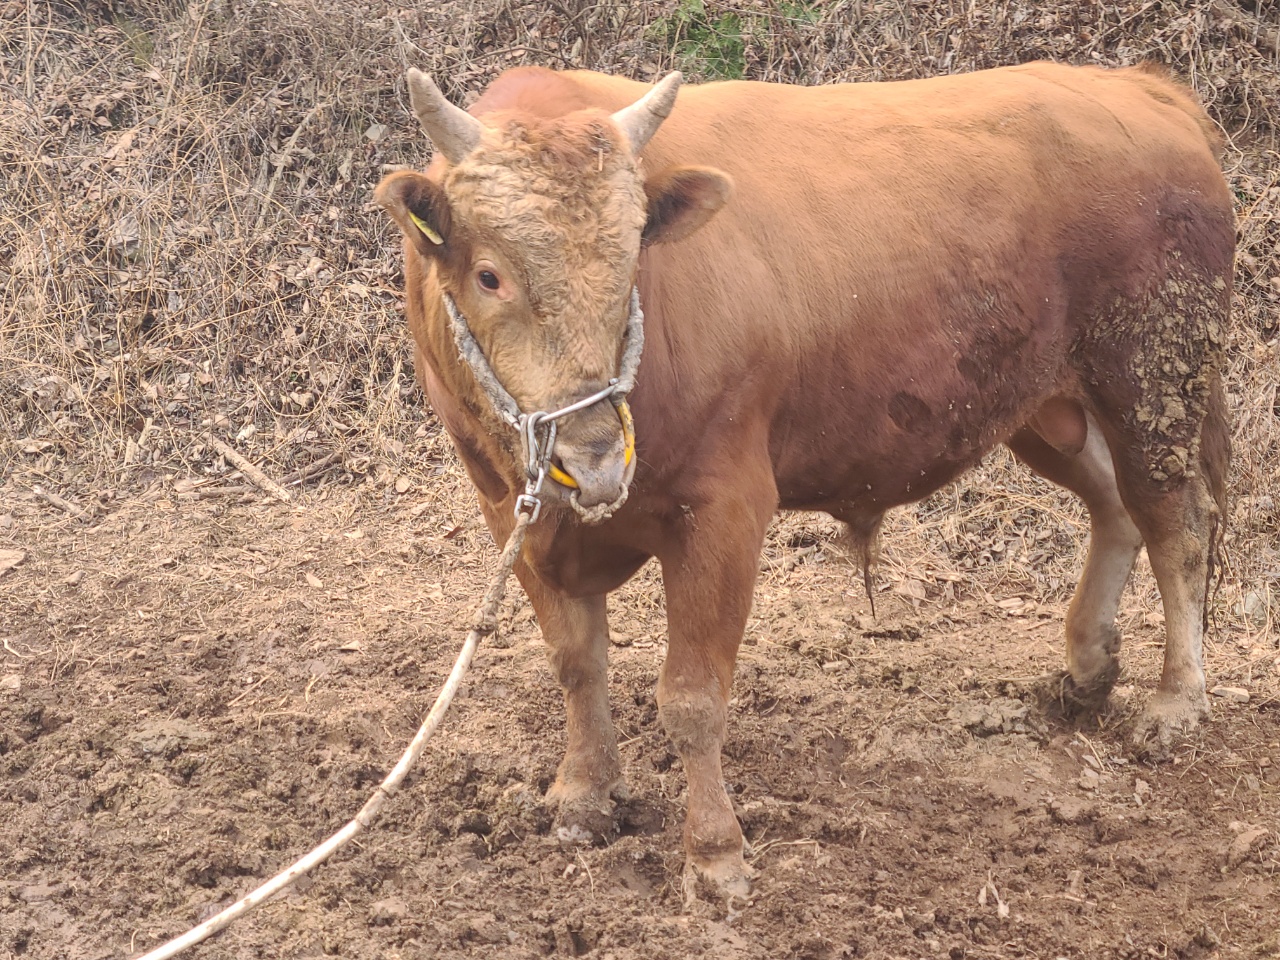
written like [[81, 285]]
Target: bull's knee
[[576, 669], [695, 725]]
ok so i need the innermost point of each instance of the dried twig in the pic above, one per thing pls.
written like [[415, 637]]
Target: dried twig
[[9, 648], [311, 470], [283, 161], [250, 471], [49, 497], [208, 493]]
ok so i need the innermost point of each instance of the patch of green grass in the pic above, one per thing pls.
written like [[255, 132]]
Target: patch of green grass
[[799, 10], [141, 46], [705, 41], [711, 40]]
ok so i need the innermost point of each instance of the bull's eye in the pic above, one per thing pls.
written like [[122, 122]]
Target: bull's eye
[[489, 280]]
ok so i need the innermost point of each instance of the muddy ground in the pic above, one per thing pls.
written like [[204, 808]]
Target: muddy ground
[[194, 692]]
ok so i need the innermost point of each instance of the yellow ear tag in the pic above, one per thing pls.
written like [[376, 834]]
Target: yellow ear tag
[[426, 229]]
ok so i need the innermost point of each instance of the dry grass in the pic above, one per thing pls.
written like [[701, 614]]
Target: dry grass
[[187, 244]]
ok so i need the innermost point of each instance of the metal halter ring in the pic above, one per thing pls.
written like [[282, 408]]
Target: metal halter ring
[[540, 445]]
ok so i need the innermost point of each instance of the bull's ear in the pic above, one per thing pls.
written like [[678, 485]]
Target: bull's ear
[[681, 199], [417, 203]]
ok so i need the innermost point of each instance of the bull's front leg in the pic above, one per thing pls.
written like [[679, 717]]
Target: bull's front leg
[[576, 632], [709, 577]]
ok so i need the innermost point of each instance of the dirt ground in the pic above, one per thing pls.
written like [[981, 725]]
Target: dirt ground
[[194, 692], [199, 683]]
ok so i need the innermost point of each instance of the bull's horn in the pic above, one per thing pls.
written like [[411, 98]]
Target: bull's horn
[[641, 120], [452, 130]]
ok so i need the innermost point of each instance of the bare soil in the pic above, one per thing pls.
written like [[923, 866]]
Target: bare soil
[[195, 692]]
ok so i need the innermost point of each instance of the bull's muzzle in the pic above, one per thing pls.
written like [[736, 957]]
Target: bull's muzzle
[[594, 458]]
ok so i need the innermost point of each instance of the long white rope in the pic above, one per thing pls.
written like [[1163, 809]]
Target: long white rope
[[486, 622]]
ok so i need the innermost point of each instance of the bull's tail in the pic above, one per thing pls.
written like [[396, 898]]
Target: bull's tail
[[1215, 460]]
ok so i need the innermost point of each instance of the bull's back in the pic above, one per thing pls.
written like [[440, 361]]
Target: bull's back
[[883, 186]]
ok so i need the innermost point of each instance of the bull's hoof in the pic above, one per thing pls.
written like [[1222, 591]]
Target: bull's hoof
[[584, 812], [725, 878], [1061, 694], [1167, 721]]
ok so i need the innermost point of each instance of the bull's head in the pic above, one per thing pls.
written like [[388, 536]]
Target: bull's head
[[534, 227]]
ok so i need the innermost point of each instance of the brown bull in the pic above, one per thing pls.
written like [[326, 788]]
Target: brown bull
[[889, 280]]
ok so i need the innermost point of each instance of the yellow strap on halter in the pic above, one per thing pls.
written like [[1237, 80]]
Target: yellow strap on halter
[[426, 229], [628, 435]]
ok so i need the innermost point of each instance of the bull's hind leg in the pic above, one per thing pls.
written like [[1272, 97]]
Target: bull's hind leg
[[1093, 641], [1179, 512], [1163, 412]]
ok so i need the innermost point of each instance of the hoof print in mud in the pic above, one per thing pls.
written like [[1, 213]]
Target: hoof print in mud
[[639, 817], [1061, 695], [1004, 715]]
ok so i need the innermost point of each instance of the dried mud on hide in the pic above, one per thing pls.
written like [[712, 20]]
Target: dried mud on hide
[[199, 681]]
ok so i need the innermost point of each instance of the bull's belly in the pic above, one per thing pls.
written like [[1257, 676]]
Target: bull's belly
[[896, 454], [917, 401], [871, 486]]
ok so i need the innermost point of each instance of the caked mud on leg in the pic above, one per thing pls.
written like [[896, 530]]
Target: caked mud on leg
[[1150, 367]]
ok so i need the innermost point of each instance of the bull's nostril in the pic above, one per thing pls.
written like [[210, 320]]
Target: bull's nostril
[[601, 448], [596, 478]]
